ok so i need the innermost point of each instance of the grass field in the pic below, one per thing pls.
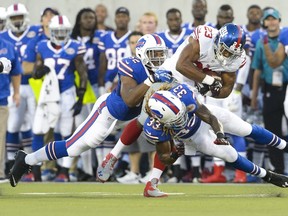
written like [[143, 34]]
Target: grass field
[[85, 199]]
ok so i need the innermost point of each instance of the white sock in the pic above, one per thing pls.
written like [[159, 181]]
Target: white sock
[[36, 157], [116, 151], [156, 173]]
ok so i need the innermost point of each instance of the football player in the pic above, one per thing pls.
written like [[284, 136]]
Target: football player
[[207, 49], [136, 75], [176, 113], [21, 117], [113, 47]]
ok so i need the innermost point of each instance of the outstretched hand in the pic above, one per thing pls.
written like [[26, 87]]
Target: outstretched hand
[[162, 76], [221, 139]]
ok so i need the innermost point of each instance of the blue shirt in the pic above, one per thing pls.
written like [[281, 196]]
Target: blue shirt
[[131, 67], [61, 60], [260, 62], [8, 50], [21, 43], [114, 49]]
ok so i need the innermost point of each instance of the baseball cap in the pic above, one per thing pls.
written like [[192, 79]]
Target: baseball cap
[[122, 10], [271, 12], [54, 11]]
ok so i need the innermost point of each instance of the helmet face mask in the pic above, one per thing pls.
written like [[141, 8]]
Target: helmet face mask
[[17, 18], [229, 43], [152, 51], [60, 30], [168, 110]]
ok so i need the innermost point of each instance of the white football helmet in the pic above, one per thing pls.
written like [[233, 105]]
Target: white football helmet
[[168, 109], [152, 51], [60, 30], [15, 23]]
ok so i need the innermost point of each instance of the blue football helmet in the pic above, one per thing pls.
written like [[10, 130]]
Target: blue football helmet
[[229, 43]]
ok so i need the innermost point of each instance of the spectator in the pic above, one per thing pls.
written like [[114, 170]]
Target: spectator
[[102, 14]]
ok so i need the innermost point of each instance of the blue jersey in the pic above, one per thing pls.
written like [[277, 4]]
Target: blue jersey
[[91, 57], [61, 60], [21, 43], [251, 42], [155, 131], [114, 49], [131, 67], [283, 38], [30, 51], [9, 51], [174, 43], [190, 26]]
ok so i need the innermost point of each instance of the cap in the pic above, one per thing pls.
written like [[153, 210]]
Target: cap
[[271, 12], [122, 10], [54, 11]]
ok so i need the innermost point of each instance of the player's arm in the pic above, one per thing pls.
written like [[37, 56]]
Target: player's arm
[[168, 153], [82, 71], [228, 80], [188, 56], [40, 69], [255, 88], [102, 72], [274, 59], [16, 80], [131, 92]]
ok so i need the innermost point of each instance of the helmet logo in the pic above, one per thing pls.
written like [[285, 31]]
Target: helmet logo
[[140, 43], [236, 46], [157, 114], [223, 31]]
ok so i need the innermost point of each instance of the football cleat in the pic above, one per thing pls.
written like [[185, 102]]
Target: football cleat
[[19, 168], [276, 179], [129, 178], [151, 189], [105, 170]]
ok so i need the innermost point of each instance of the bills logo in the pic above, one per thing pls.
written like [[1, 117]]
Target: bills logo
[[140, 43]]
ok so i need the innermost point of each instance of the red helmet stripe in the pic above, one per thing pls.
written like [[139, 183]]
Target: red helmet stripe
[[239, 36], [167, 102], [60, 20], [157, 38], [15, 7]]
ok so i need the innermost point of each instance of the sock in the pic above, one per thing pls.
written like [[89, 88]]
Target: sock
[[247, 166], [26, 139], [57, 136], [52, 151], [156, 173], [38, 142], [12, 144], [131, 133], [263, 136]]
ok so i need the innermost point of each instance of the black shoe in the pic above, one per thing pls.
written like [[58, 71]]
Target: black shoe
[[19, 168], [276, 179]]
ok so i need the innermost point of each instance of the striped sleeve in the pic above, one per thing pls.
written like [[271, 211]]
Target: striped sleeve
[[124, 68], [81, 49]]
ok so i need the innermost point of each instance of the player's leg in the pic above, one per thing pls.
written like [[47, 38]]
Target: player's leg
[[88, 135], [244, 129]]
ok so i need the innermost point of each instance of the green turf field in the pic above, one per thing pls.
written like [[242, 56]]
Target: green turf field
[[107, 199]]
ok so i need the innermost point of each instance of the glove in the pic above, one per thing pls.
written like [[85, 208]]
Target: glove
[[78, 105], [221, 139], [39, 73], [159, 76], [5, 65], [203, 89], [180, 149], [215, 87]]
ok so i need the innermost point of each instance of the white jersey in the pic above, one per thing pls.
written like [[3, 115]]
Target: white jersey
[[207, 61]]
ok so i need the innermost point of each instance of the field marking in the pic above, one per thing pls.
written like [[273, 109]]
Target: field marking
[[92, 194]]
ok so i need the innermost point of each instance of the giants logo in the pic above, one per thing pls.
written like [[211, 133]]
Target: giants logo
[[223, 31], [236, 47]]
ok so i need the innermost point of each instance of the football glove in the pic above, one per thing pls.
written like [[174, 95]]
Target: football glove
[[40, 72], [5, 65], [221, 139], [77, 107]]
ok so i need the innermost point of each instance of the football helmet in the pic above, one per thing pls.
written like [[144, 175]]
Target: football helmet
[[2, 18], [229, 43], [152, 51], [168, 109], [60, 30], [14, 21]]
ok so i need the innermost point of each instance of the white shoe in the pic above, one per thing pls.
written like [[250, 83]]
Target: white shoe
[[151, 189], [105, 170], [145, 179], [129, 178]]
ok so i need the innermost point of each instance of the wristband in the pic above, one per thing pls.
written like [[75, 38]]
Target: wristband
[[148, 82], [209, 80]]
